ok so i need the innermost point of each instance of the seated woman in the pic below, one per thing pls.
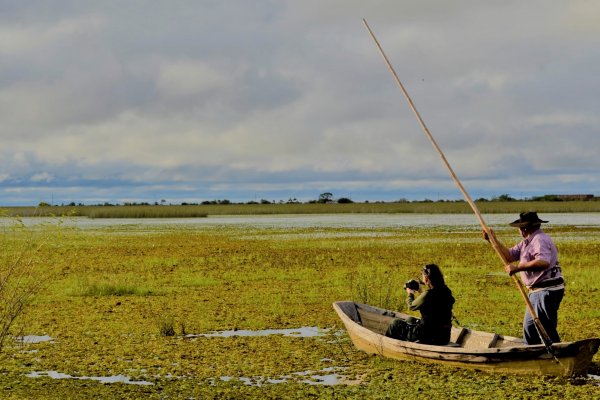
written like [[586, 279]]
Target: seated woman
[[435, 305]]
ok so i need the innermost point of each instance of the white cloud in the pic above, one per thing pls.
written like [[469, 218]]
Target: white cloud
[[42, 177], [494, 81], [230, 96], [40, 39], [581, 16], [188, 77], [563, 120]]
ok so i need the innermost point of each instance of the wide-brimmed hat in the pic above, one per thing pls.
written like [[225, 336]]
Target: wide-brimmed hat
[[526, 219]]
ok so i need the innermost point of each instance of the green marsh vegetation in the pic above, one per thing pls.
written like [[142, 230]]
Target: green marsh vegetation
[[203, 210], [121, 298], [21, 274]]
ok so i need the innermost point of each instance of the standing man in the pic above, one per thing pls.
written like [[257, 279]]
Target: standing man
[[536, 258]]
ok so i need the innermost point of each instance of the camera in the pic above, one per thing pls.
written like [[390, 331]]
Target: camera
[[412, 284]]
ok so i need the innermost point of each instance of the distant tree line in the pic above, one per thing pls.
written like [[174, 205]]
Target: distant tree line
[[327, 197]]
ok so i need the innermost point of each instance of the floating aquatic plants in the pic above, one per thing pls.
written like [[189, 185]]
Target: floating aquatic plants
[[254, 305]]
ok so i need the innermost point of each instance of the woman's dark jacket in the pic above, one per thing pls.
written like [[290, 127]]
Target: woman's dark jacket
[[435, 305]]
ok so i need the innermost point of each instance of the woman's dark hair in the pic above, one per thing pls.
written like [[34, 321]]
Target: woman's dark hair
[[434, 274]]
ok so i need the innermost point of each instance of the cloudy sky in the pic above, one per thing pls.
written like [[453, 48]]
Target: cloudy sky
[[185, 101]]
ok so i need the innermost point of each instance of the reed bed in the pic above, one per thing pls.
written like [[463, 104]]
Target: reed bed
[[107, 211], [198, 211]]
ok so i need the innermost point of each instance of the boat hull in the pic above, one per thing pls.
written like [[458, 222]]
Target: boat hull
[[472, 349]]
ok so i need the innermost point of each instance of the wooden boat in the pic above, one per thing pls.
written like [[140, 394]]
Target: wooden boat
[[366, 326]]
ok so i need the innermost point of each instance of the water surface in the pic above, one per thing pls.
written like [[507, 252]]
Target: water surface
[[321, 220], [305, 331]]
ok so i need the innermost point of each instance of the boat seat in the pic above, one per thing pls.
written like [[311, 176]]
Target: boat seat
[[480, 340], [452, 344], [493, 341], [458, 334]]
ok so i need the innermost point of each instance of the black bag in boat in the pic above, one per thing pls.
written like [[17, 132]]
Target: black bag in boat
[[408, 330]]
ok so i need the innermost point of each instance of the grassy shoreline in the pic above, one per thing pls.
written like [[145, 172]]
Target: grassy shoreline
[[199, 211]]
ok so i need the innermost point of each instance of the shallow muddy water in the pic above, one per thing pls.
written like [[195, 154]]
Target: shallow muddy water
[[102, 379], [305, 331], [326, 376], [32, 339]]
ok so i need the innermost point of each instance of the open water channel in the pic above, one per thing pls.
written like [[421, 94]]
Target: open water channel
[[325, 220]]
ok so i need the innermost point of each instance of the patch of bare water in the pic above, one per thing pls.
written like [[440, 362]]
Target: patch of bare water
[[102, 379], [305, 331], [319, 220], [32, 339], [328, 376]]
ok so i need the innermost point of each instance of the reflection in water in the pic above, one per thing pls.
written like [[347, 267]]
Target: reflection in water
[[102, 379], [305, 331], [323, 379], [34, 339], [326, 376]]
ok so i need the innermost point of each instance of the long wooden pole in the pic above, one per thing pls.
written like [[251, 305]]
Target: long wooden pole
[[493, 240]]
